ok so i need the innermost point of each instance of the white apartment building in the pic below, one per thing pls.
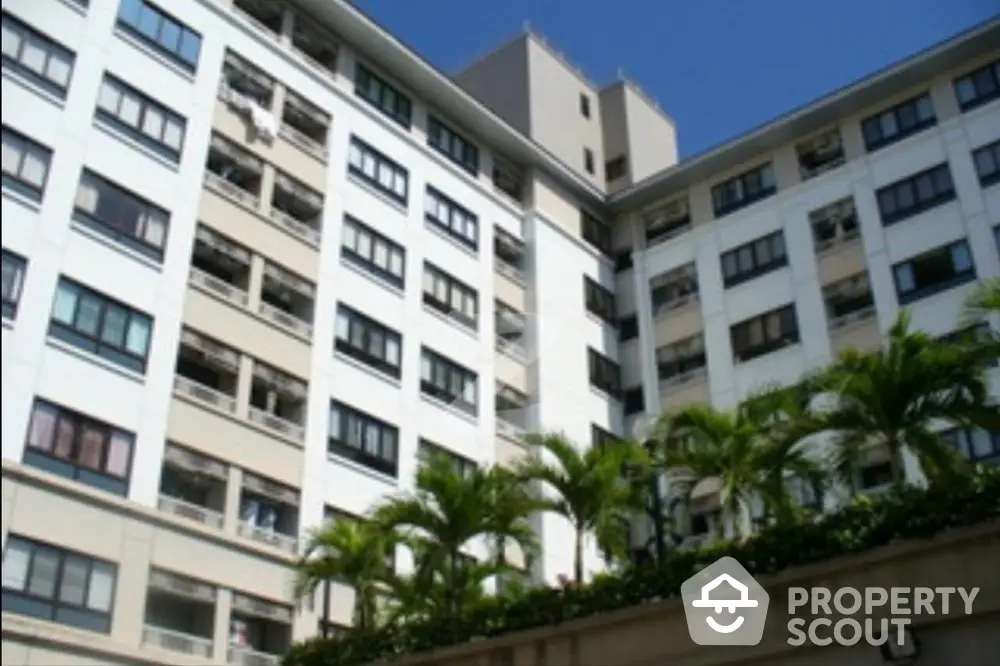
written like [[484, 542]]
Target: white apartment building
[[258, 256]]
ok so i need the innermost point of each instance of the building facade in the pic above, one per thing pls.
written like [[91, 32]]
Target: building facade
[[259, 257]]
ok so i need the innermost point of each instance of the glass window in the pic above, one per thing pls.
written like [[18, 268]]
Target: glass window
[[161, 31]]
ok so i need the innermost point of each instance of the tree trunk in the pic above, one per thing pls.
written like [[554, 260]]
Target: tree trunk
[[578, 557]]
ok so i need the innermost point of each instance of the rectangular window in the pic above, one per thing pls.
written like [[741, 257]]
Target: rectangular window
[[987, 161], [120, 215], [599, 437], [667, 221], [360, 437], [451, 296], [448, 381], [427, 449], [674, 289], [628, 328], [141, 117], [754, 259], [378, 170], [58, 585], [36, 57], [588, 160], [681, 359], [765, 333], [623, 260], [161, 31], [97, 324], [78, 447], [368, 341], [834, 223], [452, 145], [14, 268], [455, 220], [932, 272], [386, 98], [584, 106], [604, 373], [25, 164], [599, 301], [376, 254], [595, 232], [915, 194], [898, 122], [747, 188], [615, 168], [978, 87], [633, 401], [975, 445]]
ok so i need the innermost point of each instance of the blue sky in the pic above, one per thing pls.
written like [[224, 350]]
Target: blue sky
[[718, 67]]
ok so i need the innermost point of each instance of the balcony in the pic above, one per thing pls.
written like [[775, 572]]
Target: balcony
[[848, 301], [509, 179], [297, 208], [834, 224], [511, 412], [820, 154], [193, 486], [243, 82], [287, 300], [207, 371], [305, 125], [260, 632], [180, 615], [220, 267], [234, 173], [315, 44], [510, 328], [268, 16], [674, 290], [269, 513], [509, 256], [666, 222], [278, 402]]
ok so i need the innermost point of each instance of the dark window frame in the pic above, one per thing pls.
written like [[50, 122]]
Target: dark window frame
[[787, 335], [455, 208], [18, 266], [987, 77], [427, 448], [128, 202], [623, 260], [453, 145], [599, 437], [55, 88], [147, 104], [339, 446], [628, 328], [451, 369], [905, 117], [453, 284], [48, 608], [165, 21], [369, 327], [615, 168], [15, 181], [596, 232], [353, 256], [960, 277], [71, 467], [391, 103], [633, 401], [381, 161], [752, 186], [600, 301], [598, 365], [775, 261], [991, 150], [588, 161], [93, 343], [584, 105], [915, 194]]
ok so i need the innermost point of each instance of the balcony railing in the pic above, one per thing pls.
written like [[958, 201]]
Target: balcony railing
[[283, 541], [852, 318], [515, 350], [509, 430], [209, 282], [300, 229], [179, 507], [684, 378], [176, 641], [276, 423], [304, 142], [231, 191], [512, 272], [202, 393], [661, 309], [241, 656], [286, 320]]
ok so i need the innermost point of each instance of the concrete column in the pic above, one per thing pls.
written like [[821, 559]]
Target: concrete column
[[132, 585], [223, 609], [244, 381], [234, 491]]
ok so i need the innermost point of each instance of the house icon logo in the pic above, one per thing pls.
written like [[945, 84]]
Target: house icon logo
[[724, 605]]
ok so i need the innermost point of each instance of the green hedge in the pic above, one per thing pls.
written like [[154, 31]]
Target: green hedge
[[909, 513]]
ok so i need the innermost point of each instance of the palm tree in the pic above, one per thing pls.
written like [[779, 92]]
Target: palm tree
[[511, 505], [443, 515], [351, 551], [892, 397], [751, 451], [984, 300], [587, 488]]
